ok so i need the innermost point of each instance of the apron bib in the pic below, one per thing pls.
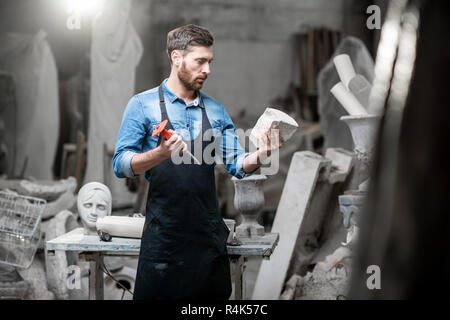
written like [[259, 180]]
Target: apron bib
[[183, 248]]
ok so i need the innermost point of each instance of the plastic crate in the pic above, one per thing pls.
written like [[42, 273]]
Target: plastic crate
[[20, 233]]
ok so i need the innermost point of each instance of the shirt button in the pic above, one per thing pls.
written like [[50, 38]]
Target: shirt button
[[187, 125], [195, 102]]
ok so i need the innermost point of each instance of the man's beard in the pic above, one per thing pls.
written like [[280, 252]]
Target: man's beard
[[185, 76]]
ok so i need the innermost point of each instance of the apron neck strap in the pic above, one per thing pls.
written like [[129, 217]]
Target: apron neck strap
[[205, 121], [162, 104]]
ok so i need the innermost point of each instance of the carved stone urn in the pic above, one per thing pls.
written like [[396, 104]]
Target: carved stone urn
[[363, 129], [249, 200]]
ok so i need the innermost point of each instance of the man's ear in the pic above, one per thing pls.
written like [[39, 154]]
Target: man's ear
[[177, 58]]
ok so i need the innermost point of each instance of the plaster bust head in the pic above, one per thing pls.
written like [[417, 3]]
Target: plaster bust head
[[94, 201]]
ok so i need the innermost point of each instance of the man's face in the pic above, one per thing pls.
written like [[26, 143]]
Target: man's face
[[195, 67]]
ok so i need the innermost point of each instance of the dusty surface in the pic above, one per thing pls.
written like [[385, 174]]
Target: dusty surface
[[329, 280]]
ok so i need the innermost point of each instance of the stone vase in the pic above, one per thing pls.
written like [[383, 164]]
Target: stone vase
[[249, 200], [363, 129]]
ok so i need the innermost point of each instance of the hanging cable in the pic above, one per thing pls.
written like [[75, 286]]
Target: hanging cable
[[106, 271]]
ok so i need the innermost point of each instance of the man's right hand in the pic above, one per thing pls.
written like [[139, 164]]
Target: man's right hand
[[142, 162], [174, 144]]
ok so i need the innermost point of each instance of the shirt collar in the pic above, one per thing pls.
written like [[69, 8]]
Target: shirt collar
[[173, 97]]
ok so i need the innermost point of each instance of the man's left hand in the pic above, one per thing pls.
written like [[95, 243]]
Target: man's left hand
[[269, 141]]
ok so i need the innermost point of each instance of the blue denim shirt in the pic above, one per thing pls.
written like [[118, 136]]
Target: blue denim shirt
[[143, 114]]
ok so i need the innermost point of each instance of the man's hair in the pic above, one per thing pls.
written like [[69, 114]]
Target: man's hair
[[182, 38]]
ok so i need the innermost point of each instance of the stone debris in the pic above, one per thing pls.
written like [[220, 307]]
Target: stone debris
[[67, 201], [342, 163], [33, 188], [57, 264], [58, 194], [12, 286], [14, 290], [329, 279], [37, 278], [290, 288], [46, 190]]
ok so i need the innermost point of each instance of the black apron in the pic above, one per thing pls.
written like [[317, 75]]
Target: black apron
[[183, 248]]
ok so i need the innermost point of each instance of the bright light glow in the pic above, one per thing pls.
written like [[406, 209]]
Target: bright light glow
[[85, 7]]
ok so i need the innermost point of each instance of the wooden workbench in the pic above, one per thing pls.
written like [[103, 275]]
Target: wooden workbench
[[92, 249]]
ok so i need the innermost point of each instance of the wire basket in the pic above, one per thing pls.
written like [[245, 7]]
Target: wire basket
[[20, 232]]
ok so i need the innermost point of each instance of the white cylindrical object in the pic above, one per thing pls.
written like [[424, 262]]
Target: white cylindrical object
[[344, 68], [347, 100], [120, 226]]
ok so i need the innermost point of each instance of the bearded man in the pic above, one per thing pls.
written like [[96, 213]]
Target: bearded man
[[183, 251]]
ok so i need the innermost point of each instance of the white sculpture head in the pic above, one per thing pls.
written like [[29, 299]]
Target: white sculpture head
[[94, 201]]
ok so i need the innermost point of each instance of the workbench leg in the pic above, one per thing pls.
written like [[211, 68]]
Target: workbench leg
[[238, 276], [96, 277]]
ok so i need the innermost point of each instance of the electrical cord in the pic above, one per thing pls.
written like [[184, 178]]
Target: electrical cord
[[106, 271]]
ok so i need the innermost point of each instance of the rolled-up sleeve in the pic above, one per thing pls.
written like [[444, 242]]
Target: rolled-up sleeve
[[233, 153], [130, 138]]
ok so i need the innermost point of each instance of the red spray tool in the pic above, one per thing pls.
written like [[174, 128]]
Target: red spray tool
[[161, 128]]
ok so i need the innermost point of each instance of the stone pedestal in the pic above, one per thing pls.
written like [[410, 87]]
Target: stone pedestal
[[249, 200]]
